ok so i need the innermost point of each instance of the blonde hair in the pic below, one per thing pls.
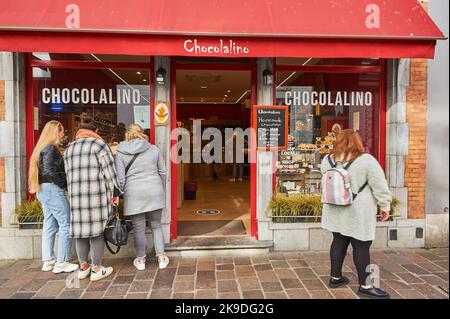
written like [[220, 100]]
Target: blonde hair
[[135, 131], [49, 135]]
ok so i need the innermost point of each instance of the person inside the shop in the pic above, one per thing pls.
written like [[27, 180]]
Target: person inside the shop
[[47, 179], [142, 175], [352, 216], [93, 190]]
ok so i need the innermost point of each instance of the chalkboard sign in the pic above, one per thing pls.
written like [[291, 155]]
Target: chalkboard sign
[[271, 125]]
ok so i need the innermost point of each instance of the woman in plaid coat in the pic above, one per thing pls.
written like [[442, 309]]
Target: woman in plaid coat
[[93, 185]]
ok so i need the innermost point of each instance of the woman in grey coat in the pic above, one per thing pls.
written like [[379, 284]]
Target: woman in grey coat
[[355, 224], [141, 172]]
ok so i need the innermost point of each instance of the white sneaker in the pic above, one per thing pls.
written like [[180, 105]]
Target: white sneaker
[[83, 274], [239, 179], [163, 263], [102, 273], [48, 265], [139, 265], [232, 179], [64, 267]]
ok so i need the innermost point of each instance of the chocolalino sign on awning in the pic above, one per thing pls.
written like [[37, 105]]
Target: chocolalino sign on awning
[[236, 28]]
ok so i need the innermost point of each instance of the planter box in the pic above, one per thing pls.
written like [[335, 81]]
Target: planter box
[[30, 223]]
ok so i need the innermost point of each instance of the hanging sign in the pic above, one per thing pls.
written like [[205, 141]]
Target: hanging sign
[[271, 126], [161, 113]]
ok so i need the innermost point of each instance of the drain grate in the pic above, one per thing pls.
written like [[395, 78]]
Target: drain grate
[[208, 212]]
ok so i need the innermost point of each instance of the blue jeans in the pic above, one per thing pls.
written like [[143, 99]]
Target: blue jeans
[[56, 217]]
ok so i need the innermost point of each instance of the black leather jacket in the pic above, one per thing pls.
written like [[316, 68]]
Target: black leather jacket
[[51, 167]]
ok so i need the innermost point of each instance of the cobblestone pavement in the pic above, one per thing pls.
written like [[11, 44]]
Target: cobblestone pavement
[[405, 273]]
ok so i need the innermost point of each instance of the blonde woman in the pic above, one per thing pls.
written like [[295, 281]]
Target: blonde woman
[[48, 180], [142, 173]]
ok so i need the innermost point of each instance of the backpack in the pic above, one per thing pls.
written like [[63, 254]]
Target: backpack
[[336, 188]]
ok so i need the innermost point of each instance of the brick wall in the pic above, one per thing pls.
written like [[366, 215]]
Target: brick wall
[[416, 116], [2, 160]]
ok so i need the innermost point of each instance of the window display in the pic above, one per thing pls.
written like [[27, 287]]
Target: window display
[[320, 106]]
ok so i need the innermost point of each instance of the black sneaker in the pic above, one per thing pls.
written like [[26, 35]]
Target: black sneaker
[[336, 283], [373, 292]]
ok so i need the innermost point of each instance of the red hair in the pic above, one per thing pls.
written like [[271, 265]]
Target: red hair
[[348, 146]]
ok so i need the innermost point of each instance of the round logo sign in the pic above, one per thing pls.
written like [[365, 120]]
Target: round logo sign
[[161, 114]]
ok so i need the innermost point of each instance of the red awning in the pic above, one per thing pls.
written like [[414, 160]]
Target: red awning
[[252, 28]]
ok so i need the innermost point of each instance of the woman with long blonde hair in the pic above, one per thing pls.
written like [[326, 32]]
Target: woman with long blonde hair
[[142, 174], [353, 223], [47, 179]]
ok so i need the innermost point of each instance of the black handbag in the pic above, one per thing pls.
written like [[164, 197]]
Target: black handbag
[[116, 231]]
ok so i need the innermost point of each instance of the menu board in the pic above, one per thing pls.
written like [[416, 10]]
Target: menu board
[[271, 126]]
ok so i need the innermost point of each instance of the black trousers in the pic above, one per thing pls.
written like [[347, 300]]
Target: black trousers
[[361, 256]]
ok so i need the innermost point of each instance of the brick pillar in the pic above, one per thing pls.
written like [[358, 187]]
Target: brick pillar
[[416, 116]]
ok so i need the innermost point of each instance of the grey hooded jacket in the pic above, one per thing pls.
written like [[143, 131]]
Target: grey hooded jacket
[[144, 182]]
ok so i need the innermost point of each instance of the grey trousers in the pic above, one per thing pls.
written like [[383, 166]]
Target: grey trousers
[[95, 245], [140, 241]]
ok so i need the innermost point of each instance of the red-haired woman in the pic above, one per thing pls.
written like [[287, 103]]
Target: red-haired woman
[[355, 224]]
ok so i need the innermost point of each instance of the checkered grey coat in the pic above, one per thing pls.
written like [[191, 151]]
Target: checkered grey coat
[[91, 179]]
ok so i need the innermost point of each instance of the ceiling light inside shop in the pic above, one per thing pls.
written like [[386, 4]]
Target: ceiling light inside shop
[[204, 87], [138, 72], [42, 56]]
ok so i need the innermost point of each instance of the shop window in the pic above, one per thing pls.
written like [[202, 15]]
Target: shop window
[[321, 105], [115, 97]]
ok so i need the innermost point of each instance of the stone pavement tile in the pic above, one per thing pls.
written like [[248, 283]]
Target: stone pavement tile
[[313, 284], [206, 294], [93, 295], [267, 275], [429, 292], [430, 256], [289, 283], [392, 267], [431, 267], [249, 283], [271, 286], [224, 260], [434, 280], [386, 274], [22, 295], [205, 280], [206, 265], [285, 273], [164, 279], [397, 284], [225, 274], [262, 267], [321, 294], [409, 278], [2, 281], [321, 270], [411, 294], [245, 271], [227, 286], [183, 286], [184, 277], [350, 275], [123, 280], [305, 273], [101, 285], [115, 291], [298, 294], [259, 260], [127, 269], [293, 255], [297, 263], [280, 264], [16, 283], [161, 294], [183, 295], [224, 266], [186, 261], [70, 294], [443, 275], [392, 292], [276, 295], [145, 275], [33, 285], [415, 269], [186, 270], [51, 289], [174, 262], [441, 251], [141, 286], [443, 264], [242, 261], [276, 256], [253, 294], [139, 295], [113, 297], [229, 295], [345, 293]]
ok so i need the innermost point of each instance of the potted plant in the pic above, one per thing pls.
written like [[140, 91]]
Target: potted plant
[[29, 214]]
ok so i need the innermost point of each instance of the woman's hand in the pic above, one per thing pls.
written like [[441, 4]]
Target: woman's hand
[[115, 201], [384, 216]]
